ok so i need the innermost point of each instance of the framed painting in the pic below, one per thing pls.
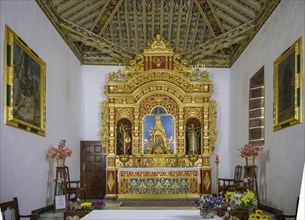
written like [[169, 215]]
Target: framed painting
[[288, 87], [25, 86]]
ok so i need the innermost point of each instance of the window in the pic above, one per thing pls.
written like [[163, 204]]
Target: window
[[257, 108]]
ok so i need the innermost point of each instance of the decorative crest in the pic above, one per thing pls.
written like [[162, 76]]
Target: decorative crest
[[158, 44]]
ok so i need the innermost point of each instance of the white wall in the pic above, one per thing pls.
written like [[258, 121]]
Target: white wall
[[25, 170], [281, 164], [93, 81]]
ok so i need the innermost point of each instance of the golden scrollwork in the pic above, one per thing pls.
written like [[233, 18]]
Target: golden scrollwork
[[159, 45], [158, 78], [105, 126], [124, 113]]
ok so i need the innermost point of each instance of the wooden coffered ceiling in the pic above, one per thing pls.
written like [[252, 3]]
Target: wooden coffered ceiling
[[112, 32]]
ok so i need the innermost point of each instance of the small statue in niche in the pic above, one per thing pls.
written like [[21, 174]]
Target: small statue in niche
[[124, 140], [193, 134]]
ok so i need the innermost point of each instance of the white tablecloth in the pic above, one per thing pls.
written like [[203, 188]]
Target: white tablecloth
[[145, 214]]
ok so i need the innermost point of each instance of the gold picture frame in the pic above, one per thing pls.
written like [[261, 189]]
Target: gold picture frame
[[288, 87], [25, 86]]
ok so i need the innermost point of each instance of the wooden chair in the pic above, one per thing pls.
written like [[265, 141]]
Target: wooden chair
[[13, 205], [76, 188], [235, 184]]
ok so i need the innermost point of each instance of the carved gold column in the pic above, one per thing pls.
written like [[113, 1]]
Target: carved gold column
[[181, 128], [111, 171], [137, 145]]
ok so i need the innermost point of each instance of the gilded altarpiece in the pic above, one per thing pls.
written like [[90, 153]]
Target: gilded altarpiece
[[158, 127]]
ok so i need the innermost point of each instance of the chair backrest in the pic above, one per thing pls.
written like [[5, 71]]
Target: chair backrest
[[67, 176], [13, 205], [237, 173]]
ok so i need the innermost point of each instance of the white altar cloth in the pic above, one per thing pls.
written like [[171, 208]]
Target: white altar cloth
[[145, 215], [159, 169]]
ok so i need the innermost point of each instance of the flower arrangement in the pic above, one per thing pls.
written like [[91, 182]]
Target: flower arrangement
[[61, 151], [84, 206], [250, 150], [241, 201], [248, 181], [209, 203]]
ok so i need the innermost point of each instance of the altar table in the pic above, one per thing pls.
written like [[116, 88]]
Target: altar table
[[159, 183], [145, 215]]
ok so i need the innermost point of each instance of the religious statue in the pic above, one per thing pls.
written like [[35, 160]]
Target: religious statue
[[193, 134], [125, 139], [158, 139]]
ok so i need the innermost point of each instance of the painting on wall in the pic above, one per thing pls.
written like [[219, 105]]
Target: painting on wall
[[288, 87], [25, 86]]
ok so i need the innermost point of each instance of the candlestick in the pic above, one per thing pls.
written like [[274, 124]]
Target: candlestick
[[217, 190]]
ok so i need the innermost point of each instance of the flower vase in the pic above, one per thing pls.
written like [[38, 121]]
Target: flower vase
[[206, 213], [60, 162], [250, 160]]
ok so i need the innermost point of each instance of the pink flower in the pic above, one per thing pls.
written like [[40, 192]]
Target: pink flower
[[250, 150], [61, 151]]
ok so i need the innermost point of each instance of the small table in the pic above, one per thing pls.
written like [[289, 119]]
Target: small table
[[145, 214]]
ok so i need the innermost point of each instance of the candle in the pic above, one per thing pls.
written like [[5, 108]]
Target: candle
[[217, 158]]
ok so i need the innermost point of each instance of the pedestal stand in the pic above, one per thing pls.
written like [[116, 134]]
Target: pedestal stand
[[250, 171], [61, 174]]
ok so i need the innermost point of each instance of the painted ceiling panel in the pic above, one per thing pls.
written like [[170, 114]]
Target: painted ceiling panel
[[112, 32]]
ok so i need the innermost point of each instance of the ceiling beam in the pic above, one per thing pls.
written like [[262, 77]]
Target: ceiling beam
[[120, 29], [230, 11], [195, 30], [205, 19], [144, 20], [88, 19], [110, 17], [127, 24], [252, 4], [152, 19], [75, 8], [82, 14], [135, 16], [91, 39], [229, 20], [222, 41], [178, 26], [65, 5], [239, 7], [170, 18], [215, 16], [98, 17], [188, 25], [161, 17]]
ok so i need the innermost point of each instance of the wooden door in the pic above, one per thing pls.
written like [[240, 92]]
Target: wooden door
[[93, 164]]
